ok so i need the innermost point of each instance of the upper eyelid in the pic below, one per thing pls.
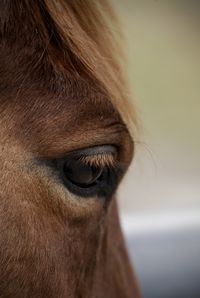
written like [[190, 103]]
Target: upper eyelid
[[103, 155], [99, 160], [100, 155], [93, 151]]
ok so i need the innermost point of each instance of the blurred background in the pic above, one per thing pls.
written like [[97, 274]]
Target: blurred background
[[160, 197]]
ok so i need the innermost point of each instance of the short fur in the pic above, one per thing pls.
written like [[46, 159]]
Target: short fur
[[61, 89]]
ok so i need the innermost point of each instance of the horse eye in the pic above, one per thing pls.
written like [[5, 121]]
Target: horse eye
[[80, 174], [87, 180]]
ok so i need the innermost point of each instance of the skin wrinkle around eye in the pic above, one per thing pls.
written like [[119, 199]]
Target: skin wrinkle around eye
[[59, 146], [46, 179], [56, 136]]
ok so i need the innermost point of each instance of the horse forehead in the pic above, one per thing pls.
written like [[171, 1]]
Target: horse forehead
[[78, 104], [77, 115]]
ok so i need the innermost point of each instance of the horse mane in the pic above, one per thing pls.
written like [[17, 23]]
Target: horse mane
[[82, 37]]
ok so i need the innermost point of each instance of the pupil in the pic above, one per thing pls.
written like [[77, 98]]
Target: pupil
[[81, 174]]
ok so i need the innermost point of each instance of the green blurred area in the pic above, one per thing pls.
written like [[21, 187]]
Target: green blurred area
[[163, 51]]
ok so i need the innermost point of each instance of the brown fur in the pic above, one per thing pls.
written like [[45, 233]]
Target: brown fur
[[61, 89]]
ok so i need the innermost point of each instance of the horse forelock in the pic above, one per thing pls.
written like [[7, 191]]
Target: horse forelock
[[67, 39]]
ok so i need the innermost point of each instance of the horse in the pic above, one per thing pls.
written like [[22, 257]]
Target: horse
[[66, 142]]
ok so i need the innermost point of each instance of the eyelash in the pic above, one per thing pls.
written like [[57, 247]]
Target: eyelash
[[110, 172]]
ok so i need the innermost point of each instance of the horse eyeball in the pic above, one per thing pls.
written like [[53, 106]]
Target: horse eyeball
[[90, 172], [82, 175]]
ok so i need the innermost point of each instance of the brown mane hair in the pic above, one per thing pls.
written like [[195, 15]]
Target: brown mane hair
[[83, 36], [95, 42]]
